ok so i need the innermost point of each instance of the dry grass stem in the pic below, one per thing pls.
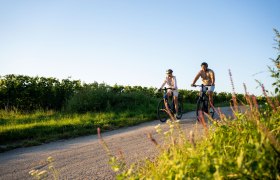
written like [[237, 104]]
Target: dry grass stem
[[152, 139], [192, 141]]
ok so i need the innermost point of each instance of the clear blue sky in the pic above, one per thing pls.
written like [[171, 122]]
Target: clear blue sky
[[133, 42]]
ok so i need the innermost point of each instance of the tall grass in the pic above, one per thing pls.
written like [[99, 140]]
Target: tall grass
[[247, 147]]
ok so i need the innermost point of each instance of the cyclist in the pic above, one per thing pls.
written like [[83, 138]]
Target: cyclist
[[208, 79], [171, 82]]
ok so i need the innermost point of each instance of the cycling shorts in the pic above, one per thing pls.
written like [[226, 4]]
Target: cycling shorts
[[175, 92], [210, 88]]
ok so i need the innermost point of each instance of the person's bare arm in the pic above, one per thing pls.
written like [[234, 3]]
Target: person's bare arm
[[212, 75], [175, 83], [196, 78], [163, 84]]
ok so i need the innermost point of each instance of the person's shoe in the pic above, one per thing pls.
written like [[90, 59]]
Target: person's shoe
[[176, 116]]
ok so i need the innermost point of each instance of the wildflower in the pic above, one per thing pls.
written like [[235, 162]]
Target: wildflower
[[166, 133], [50, 159], [177, 121], [157, 126], [33, 172], [42, 174]]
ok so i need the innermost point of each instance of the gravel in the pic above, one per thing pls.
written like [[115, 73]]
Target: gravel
[[85, 157]]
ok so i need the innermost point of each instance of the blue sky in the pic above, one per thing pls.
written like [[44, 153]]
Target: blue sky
[[130, 42]]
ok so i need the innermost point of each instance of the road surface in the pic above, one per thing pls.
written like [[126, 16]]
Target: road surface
[[85, 157]]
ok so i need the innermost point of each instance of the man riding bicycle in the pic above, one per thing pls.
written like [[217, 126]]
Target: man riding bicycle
[[208, 79], [171, 82]]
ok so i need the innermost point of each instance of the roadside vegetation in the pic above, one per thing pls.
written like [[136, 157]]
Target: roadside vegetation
[[247, 147], [36, 110]]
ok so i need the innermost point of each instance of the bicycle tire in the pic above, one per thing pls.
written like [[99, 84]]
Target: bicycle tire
[[205, 104], [161, 113], [199, 108], [180, 110], [207, 109], [212, 111]]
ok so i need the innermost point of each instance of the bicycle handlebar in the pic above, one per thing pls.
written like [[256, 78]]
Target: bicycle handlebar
[[165, 88], [202, 85]]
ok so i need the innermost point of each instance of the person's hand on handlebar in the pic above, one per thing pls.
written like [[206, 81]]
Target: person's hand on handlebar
[[193, 85]]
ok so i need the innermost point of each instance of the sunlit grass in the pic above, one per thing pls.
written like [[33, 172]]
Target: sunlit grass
[[246, 147], [24, 129], [19, 129]]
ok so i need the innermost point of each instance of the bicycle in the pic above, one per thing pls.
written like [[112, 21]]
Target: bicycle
[[162, 112], [203, 102]]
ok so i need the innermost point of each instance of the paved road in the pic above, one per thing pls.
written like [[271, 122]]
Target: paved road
[[85, 157]]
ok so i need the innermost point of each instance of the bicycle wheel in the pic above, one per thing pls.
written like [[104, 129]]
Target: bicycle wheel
[[205, 104], [212, 111], [199, 108], [180, 110], [161, 113], [208, 108]]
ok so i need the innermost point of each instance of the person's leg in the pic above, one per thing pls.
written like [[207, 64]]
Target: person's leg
[[176, 103], [168, 94], [166, 101], [175, 99], [210, 94]]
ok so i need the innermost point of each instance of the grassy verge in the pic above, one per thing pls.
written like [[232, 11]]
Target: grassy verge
[[17, 130], [21, 130]]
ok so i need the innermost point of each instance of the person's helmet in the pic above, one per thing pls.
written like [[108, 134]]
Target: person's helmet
[[204, 63], [169, 71]]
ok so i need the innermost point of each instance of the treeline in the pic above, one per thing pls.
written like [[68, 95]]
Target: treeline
[[31, 93], [26, 93], [102, 97]]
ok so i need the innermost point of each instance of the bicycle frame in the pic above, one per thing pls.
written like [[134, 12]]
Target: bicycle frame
[[167, 109], [203, 103], [171, 107]]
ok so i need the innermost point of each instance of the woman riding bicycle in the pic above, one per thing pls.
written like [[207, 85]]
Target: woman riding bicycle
[[208, 79], [171, 82]]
